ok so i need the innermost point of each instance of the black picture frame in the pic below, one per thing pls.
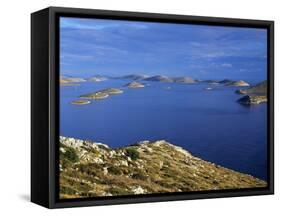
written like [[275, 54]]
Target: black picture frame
[[45, 100]]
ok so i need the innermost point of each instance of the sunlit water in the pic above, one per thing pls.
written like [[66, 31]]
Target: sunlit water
[[208, 123]]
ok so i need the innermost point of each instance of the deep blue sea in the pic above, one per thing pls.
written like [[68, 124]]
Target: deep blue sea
[[208, 123]]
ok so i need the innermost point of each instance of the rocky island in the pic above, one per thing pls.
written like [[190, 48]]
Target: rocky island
[[255, 95], [112, 91], [81, 102], [95, 96], [97, 79], [238, 83], [101, 94], [134, 85], [89, 169], [70, 81]]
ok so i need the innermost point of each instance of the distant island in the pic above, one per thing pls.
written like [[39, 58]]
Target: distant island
[[255, 95], [238, 83], [226, 82], [132, 77], [156, 78], [97, 79], [101, 94], [134, 85], [81, 102], [70, 81], [89, 169], [94, 95]]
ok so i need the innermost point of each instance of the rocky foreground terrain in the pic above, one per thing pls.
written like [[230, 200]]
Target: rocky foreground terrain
[[90, 169]]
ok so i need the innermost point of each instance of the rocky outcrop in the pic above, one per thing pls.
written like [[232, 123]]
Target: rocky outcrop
[[90, 169], [253, 99], [260, 88], [134, 85]]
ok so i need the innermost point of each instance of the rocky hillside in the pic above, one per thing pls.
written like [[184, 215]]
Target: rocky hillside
[[93, 169], [260, 88], [253, 99], [255, 95]]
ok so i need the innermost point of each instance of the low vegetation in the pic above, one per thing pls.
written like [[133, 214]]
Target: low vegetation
[[90, 169]]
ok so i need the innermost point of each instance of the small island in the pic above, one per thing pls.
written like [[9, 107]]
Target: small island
[[101, 94], [97, 79], [81, 102], [238, 83], [135, 85], [95, 96], [112, 91], [70, 81]]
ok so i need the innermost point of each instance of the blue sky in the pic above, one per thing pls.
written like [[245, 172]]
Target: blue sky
[[111, 47]]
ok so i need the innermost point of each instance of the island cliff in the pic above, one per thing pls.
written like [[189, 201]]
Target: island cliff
[[255, 95], [89, 169]]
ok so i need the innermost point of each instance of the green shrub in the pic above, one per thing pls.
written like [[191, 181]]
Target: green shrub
[[71, 155], [140, 176], [114, 170], [67, 190], [132, 153], [117, 191]]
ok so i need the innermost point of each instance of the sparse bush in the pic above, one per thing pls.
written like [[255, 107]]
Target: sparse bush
[[132, 153], [114, 170], [140, 176], [71, 155], [67, 190], [117, 191]]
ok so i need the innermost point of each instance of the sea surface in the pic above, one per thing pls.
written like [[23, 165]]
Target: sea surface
[[208, 123]]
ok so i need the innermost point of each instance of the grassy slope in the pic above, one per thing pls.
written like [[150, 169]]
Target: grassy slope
[[153, 167]]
